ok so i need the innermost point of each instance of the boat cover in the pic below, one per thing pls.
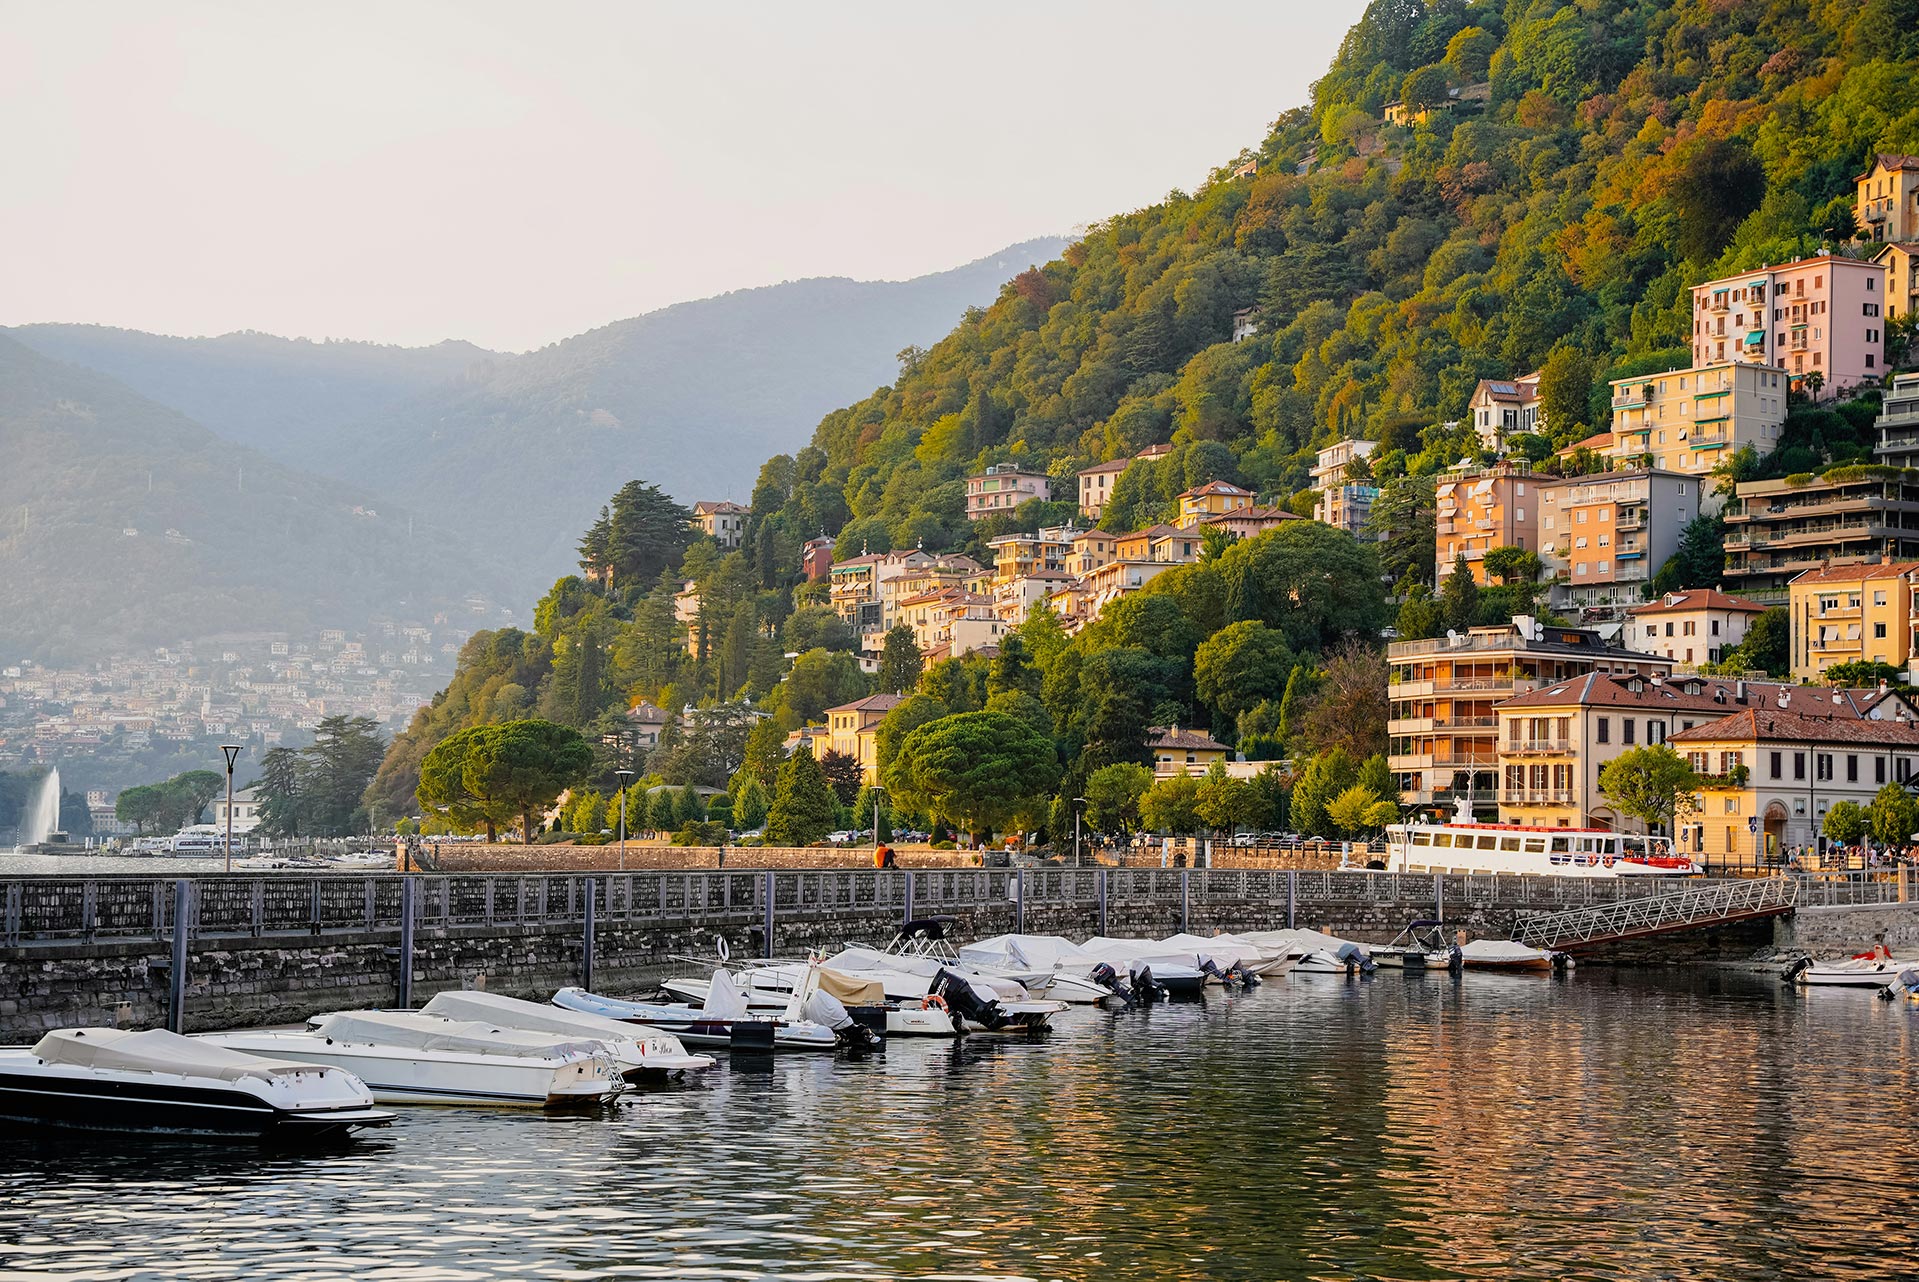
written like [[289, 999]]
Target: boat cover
[[155, 1050], [1224, 950], [405, 1030], [1300, 942], [851, 989], [723, 998], [824, 1008], [1028, 952], [1500, 950], [511, 1012]]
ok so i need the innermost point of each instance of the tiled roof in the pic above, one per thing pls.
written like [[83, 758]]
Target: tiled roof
[[1601, 689], [1697, 599], [1776, 725], [1597, 441], [722, 507], [1174, 737], [1110, 465], [1891, 160], [1857, 573], [1214, 487], [872, 703]]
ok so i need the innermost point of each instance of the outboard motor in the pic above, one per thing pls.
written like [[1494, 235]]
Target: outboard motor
[[1106, 977], [1148, 989], [824, 1008], [1356, 959], [1455, 960], [1791, 972], [1561, 963], [1905, 986], [963, 1003], [1232, 975], [1237, 973]]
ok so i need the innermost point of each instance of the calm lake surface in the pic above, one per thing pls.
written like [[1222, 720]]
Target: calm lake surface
[[1615, 1125]]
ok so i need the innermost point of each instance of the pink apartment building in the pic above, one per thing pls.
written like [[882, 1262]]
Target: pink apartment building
[[1823, 316]]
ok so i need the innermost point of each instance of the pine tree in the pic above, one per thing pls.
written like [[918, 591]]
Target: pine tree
[[1291, 706], [687, 808], [750, 805], [1459, 599], [804, 808], [899, 662]]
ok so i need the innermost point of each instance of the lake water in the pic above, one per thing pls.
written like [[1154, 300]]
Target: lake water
[[1617, 1125]]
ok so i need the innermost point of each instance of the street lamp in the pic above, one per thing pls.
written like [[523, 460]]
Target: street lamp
[[625, 777], [231, 751], [878, 791], [1079, 804]]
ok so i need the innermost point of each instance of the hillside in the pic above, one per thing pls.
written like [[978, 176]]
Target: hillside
[[276, 395], [256, 546], [692, 397]]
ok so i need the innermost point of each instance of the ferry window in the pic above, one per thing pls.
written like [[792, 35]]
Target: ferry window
[[1509, 843], [1442, 839], [1488, 842], [1422, 839], [1561, 845], [1535, 845]]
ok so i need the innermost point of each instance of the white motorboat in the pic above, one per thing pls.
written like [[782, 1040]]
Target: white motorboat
[[1317, 953], [1422, 946], [640, 1054], [723, 1019], [1068, 968], [1875, 969], [409, 1058], [1176, 973], [924, 946], [983, 1002], [157, 1082], [1504, 954], [1229, 959]]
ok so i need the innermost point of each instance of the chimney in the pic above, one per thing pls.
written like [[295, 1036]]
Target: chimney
[[1739, 692]]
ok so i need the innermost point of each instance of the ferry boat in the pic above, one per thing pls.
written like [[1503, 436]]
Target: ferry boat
[[1463, 846]]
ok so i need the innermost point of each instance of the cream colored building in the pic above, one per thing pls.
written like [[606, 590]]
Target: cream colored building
[[1696, 626], [1691, 420], [1343, 504], [1886, 198], [1852, 613], [1500, 407], [1900, 258], [1213, 499], [1096, 486]]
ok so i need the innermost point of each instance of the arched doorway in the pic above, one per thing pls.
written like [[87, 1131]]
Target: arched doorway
[[1775, 835]]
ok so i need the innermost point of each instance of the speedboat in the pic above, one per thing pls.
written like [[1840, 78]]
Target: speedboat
[[1504, 954], [1229, 959], [1421, 946], [1066, 967], [723, 1019], [1147, 962], [1317, 953], [639, 1054], [157, 1082], [1875, 969], [410, 1058]]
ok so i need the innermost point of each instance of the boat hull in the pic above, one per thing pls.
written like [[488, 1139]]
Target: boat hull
[[396, 1075], [115, 1105]]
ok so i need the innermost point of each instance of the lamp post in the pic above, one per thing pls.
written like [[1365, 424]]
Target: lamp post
[[231, 751], [1079, 804], [877, 793], [625, 777]]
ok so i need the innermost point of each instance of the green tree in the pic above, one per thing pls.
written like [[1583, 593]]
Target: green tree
[[1893, 816], [1240, 665], [1350, 704], [443, 786], [1425, 88], [645, 533], [687, 807], [1171, 805], [907, 716], [1845, 823], [1419, 617], [1224, 803], [843, 774], [1512, 564], [804, 808], [1112, 796], [1859, 673], [521, 766], [339, 765], [1470, 53], [979, 768], [750, 806], [1323, 778], [1404, 523], [1649, 783], [863, 810], [899, 661], [1348, 811], [1459, 598], [1292, 706], [1565, 392]]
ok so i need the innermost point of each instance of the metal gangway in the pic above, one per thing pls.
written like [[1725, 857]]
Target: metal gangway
[[1694, 908]]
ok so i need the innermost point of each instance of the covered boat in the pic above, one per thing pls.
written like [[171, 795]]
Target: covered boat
[[721, 1020], [1504, 954], [157, 1082], [1318, 953], [1068, 968], [639, 1053], [410, 1058]]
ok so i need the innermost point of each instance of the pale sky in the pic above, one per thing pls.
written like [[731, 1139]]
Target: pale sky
[[516, 173]]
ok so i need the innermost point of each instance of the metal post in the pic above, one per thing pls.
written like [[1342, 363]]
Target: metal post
[[230, 751], [1019, 901], [1439, 897], [624, 777], [909, 896], [1102, 901], [404, 998], [1185, 898], [177, 977], [767, 951], [1292, 894], [586, 953]]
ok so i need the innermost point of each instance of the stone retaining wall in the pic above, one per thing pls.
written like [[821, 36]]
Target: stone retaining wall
[[1842, 931]]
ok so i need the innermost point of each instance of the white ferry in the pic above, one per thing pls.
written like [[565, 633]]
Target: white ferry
[[1463, 846], [204, 840]]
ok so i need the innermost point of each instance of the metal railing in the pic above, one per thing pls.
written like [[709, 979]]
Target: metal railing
[[1699, 905]]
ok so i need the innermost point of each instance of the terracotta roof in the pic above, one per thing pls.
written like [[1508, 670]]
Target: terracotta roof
[[1253, 514], [1174, 737], [721, 507], [1890, 160], [1510, 389], [872, 703], [1110, 465], [1698, 599], [1153, 532], [1214, 487], [1609, 690], [1597, 441], [1857, 573], [1774, 725]]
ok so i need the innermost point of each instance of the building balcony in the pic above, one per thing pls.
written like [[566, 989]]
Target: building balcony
[[1535, 796], [1522, 746], [1465, 723]]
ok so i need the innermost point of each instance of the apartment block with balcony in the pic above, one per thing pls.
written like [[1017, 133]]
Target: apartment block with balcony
[[1015, 556], [1691, 420], [1482, 510], [1443, 729], [1696, 626], [1500, 407], [1554, 741], [1855, 516], [1886, 198], [1003, 487], [1898, 423], [1822, 317], [1851, 614], [1604, 536], [1090, 550], [1343, 503]]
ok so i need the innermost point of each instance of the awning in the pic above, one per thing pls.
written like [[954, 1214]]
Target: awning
[[1757, 336]]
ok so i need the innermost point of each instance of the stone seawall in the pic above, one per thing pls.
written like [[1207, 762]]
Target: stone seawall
[[1844, 930], [270, 950]]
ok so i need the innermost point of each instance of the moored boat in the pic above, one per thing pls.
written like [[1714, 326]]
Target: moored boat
[[409, 1058], [1465, 847], [1877, 968], [1504, 954], [157, 1082], [640, 1054]]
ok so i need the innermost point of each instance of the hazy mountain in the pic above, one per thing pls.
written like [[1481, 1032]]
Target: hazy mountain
[[518, 452], [125, 523], [276, 394]]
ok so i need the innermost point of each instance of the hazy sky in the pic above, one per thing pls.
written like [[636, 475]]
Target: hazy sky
[[515, 173]]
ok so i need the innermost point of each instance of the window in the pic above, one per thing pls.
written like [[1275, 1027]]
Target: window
[[1852, 768], [1879, 631], [1602, 730], [1627, 725], [1799, 765], [1775, 765], [1822, 765], [1878, 769]]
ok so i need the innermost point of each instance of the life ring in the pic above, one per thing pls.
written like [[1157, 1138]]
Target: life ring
[[931, 1000]]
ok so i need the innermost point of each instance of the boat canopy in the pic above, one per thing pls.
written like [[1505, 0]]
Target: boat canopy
[[155, 1050], [405, 1030], [1500, 950], [1223, 950], [1301, 942], [1028, 952], [493, 1008], [851, 989]]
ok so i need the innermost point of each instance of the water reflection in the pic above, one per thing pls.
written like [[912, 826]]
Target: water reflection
[[1613, 1126]]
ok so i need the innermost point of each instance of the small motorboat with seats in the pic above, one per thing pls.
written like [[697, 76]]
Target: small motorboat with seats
[[1069, 966], [1875, 968], [1504, 954], [160, 1083], [1317, 952], [1145, 962], [408, 1058], [724, 1021], [926, 942], [641, 1054], [1422, 946]]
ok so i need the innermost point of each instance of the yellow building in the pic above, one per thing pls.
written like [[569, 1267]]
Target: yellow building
[[850, 731], [1886, 198], [1215, 498], [1182, 752], [1773, 773], [1691, 420], [1851, 613], [1900, 258]]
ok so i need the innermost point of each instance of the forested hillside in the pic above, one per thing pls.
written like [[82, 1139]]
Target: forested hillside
[[1568, 169]]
